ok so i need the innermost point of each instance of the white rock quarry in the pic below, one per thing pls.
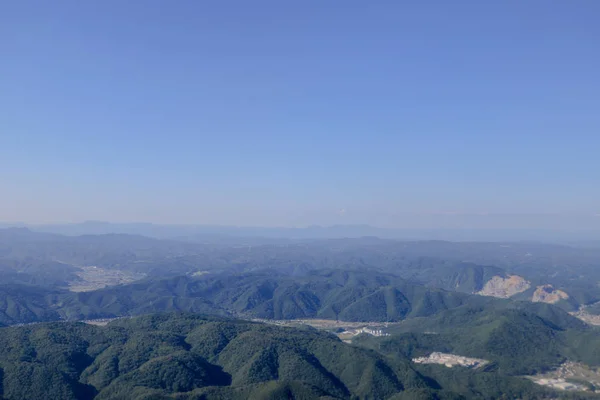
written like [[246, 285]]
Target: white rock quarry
[[504, 287], [547, 294]]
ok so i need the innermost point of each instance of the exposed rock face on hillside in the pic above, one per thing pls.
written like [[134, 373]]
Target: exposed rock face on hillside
[[504, 287], [586, 317], [547, 294]]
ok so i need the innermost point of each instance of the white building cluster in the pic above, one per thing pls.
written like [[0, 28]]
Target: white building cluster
[[450, 360], [374, 332]]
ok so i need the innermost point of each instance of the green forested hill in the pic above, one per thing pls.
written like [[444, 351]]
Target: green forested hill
[[24, 303], [348, 295], [521, 339], [337, 294], [194, 356], [185, 357]]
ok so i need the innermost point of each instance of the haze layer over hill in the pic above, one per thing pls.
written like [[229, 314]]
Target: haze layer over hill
[[554, 228]]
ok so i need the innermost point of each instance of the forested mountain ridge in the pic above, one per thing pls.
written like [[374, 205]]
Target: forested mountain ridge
[[520, 339], [368, 280], [193, 356], [196, 357], [52, 260], [337, 294], [26, 303]]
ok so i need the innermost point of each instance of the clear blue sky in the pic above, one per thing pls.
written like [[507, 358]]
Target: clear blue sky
[[297, 112]]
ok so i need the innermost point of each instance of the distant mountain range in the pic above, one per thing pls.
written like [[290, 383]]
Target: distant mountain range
[[59, 261], [587, 233], [424, 293]]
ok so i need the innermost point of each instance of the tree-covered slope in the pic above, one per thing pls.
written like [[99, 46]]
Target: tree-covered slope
[[194, 356], [184, 356], [24, 303], [336, 294], [522, 338]]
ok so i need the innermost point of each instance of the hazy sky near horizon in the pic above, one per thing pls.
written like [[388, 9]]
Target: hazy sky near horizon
[[297, 113]]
